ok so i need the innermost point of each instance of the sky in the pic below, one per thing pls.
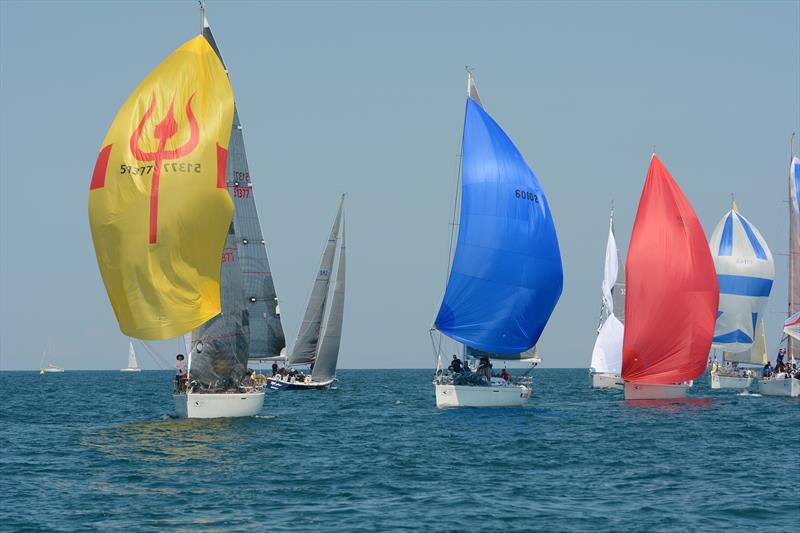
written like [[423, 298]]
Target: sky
[[368, 99]]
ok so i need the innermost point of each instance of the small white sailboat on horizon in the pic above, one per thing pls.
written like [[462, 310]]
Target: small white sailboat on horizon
[[745, 272], [606, 365], [51, 368], [316, 346], [133, 364], [505, 277], [671, 296], [787, 385]]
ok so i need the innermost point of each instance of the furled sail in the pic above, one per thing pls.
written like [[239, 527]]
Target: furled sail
[[266, 331], [745, 272], [794, 251], [132, 363], [607, 352], [506, 275], [328, 356], [305, 346], [158, 208], [220, 347], [672, 292]]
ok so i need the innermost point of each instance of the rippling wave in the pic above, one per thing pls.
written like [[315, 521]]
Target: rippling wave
[[102, 450]]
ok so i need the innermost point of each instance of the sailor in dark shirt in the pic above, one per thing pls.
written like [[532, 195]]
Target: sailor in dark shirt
[[455, 365]]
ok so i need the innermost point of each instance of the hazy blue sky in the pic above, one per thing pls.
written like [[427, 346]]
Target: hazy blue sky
[[368, 98]]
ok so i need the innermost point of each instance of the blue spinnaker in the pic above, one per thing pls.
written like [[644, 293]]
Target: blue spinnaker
[[506, 276]]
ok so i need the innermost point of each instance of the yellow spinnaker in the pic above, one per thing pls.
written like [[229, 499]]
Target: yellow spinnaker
[[159, 208]]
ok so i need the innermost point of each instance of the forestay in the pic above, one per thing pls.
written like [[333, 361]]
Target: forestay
[[745, 272], [506, 275]]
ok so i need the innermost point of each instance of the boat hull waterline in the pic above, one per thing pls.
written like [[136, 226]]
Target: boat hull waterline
[[218, 405], [649, 391], [787, 387], [606, 380], [729, 382], [481, 396], [279, 384]]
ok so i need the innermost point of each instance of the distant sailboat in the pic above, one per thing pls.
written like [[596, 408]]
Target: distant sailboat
[[133, 365], [786, 385], [506, 276], [672, 293], [314, 345], [50, 368], [606, 364], [161, 214], [745, 272]]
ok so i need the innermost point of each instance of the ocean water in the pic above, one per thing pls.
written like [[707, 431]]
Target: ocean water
[[101, 451]]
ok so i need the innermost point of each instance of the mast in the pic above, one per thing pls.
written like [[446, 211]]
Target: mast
[[793, 300]]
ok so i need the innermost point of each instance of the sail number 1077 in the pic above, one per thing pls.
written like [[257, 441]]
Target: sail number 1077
[[526, 195]]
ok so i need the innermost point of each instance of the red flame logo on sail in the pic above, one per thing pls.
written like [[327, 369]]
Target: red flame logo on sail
[[165, 130]]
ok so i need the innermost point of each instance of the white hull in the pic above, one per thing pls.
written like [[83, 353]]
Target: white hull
[[729, 382], [789, 388], [647, 391], [130, 369], [54, 370], [222, 405], [481, 396], [605, 380]]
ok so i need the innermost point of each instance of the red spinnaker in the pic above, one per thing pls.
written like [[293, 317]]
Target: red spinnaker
[[672, 292]]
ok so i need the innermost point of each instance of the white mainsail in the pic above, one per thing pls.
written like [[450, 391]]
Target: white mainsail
[[132, 363], [745, 272], [607, 352], [305, 346], [328, 355]]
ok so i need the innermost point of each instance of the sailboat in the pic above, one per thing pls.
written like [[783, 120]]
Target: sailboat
[[745, 272], [133, 365], [606, 362], [505, 277], [50, 368], [315, 346], [787, 385], [161, 205], [672, 293]]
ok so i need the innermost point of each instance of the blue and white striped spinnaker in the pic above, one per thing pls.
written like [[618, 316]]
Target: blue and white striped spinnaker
[[745, 272], [506, 276]]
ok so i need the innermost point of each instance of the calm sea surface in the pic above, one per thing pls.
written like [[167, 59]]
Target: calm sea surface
[[100, 450]]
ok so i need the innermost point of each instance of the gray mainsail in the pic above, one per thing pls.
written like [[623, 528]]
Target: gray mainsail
[[267, 339], [305, 346], [328, 355], [266, 331], [219, 348]]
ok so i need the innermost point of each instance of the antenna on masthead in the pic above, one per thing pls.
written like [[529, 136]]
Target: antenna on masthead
[[202, 14]]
